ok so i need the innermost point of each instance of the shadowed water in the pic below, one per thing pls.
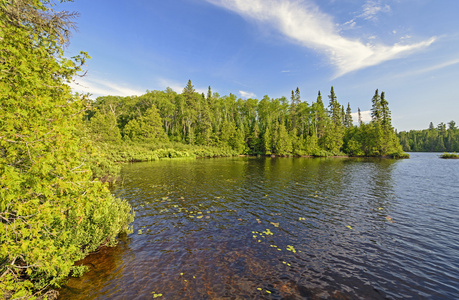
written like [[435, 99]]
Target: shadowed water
[[284, 228]]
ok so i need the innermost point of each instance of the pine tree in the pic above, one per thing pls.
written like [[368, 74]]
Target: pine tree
[[385, 112], [190, 112], [335, 130], [348, 117], [296, 99], [320, 119], [376, 108]]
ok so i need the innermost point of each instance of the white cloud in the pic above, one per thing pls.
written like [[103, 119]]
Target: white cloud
[[372, 7], [429, 69], [304, 23], [100, 87], [349, 25], [366, 116], [247, 95]]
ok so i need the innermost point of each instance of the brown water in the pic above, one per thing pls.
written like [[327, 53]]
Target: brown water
[[284, 228]]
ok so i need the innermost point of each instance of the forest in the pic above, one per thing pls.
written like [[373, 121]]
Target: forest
[[433, 139], [270, 126]]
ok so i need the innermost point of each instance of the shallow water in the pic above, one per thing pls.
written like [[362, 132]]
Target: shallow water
[[284, 228]]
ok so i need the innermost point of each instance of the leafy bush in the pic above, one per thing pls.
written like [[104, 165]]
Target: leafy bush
[[399, 155], [52, 212], [449, 155]]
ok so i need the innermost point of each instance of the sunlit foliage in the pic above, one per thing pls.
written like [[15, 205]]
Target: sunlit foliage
[[52, 212], [248, 126]]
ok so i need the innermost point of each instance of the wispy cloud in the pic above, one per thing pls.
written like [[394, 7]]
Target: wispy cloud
[[372, 8], [100, 87], [304, 23], [247, 95], [429, 69]]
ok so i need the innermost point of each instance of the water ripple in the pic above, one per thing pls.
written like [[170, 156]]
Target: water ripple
[[251, 228]]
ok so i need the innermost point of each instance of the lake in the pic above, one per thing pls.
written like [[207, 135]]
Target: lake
[[283, 228]]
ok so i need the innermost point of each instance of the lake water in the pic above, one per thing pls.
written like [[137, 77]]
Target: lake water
[[284, 228]]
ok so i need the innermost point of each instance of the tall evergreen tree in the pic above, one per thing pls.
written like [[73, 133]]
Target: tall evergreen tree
[[320, 119], [348, 117], [385, 112], [335, 130], [296, 99], [376, 107], [190, 112], [334, 107]]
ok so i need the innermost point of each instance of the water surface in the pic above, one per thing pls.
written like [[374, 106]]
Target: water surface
[[284, 228]]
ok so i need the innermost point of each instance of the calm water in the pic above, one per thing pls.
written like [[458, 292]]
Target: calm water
[[284, 228]]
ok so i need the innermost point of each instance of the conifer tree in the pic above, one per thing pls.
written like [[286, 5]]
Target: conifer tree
[[335, 130], [296, 99], [348, 117], [320, 119], [385, 112], [190, 112], [376, 107]]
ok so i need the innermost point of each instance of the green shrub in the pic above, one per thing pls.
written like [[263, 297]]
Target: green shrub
[[52, 211], [449, 155]]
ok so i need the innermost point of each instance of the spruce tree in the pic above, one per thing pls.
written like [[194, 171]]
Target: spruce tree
[[348, 117], [376, 108], [320, 119], [335, 130], [385, 112]]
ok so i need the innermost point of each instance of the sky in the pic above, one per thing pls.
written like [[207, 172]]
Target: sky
[[407, 48]]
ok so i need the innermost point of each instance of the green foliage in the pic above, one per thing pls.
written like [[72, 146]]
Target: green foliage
[[52, 212], [269, 126], [137, 152], [104, 128], [147, 128], [434, 139], [450, 155]]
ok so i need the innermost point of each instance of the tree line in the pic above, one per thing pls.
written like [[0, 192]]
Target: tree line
[[440, 138], [270, 126]]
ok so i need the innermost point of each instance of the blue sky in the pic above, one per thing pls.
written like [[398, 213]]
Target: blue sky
[[407, 48]]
